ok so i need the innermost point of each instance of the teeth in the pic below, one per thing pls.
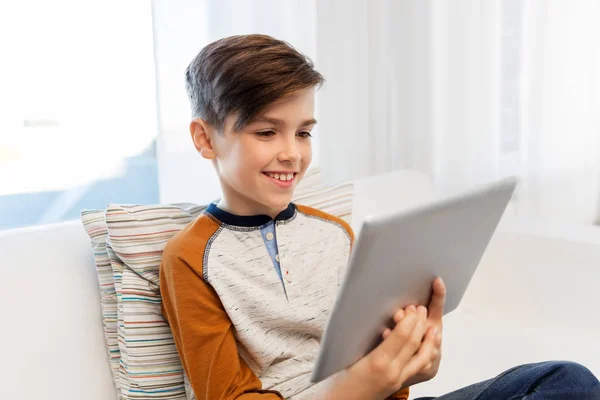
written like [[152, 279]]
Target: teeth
[[282, 177]]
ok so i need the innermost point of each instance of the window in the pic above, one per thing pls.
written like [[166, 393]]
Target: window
[[78, 127]]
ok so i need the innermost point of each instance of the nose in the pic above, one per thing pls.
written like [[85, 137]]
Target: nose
[[289, 150]]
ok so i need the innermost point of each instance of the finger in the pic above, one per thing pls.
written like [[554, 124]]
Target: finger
[[424, 357], [436, 336], [400, 334], [436, 339], [414, 342], [398, 316], [438, 299]]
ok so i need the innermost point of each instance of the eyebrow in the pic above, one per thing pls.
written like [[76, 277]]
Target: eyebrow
[[280, 122]]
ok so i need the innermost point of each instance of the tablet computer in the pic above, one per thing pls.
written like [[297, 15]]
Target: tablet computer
[[394, 261]]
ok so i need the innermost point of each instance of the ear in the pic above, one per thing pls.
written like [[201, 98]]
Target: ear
[[199, 130]]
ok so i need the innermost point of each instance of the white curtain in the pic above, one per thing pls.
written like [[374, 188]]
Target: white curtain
[[561, 101], [411, 84], [466, 91]]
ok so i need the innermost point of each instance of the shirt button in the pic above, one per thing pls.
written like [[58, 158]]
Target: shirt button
[[277, 257], [270, 236]]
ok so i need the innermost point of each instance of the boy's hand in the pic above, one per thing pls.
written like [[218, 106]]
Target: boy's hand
[[434, 322], [406, 350], [409, 354]]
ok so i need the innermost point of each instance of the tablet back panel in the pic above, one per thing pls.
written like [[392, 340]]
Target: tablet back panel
[[396, 258]]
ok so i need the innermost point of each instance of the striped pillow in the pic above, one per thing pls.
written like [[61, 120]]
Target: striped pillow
[[95, 226], [150, 365]]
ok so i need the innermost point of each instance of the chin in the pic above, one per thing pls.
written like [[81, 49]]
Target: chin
[[279, 204]]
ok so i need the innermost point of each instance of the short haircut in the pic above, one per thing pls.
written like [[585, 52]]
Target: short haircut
[[245, 74]]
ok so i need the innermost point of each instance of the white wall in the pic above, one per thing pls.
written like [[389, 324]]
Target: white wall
[[181, 29]]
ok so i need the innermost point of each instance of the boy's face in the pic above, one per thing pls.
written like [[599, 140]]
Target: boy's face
[[260, 166]]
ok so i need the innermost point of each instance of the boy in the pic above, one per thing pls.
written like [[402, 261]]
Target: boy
[[248, 286]]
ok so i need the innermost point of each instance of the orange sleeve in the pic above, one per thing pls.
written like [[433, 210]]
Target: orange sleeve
[[203, 333], [401, 394]]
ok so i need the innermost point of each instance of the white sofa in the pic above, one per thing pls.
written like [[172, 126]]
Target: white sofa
[[535, 296]]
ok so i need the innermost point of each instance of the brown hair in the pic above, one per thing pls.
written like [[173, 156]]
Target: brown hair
[[245, 74]]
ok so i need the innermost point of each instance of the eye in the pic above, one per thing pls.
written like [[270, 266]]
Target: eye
[[304, 134], [265, 134]]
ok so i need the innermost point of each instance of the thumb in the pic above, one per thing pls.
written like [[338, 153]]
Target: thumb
[[438, 299]]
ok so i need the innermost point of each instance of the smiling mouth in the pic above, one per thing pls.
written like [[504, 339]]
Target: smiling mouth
[[284, 177]]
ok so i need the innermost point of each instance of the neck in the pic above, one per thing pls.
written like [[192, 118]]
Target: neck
[[247, 207]]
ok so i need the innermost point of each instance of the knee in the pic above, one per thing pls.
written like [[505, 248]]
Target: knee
[[572, 373]]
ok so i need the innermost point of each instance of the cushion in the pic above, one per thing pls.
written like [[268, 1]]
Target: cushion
[[137, 234], [95, 226]]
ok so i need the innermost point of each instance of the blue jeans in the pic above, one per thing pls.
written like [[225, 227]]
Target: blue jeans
[[552, 380]]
